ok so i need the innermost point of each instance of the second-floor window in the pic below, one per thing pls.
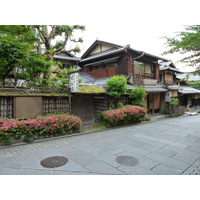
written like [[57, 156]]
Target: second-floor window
[[143, 68], [103, 66]]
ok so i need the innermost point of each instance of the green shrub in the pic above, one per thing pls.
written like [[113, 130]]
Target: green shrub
[[126, 115], [117, 86], [137, 96], [174, 102], [12, 130]]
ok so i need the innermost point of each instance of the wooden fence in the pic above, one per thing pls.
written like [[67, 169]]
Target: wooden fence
[[178, 110]]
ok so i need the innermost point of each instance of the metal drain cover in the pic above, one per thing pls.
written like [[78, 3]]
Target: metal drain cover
[[127, 160], [55, 161]]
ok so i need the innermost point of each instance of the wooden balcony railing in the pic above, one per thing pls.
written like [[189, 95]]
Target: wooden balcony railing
[[144, 76]]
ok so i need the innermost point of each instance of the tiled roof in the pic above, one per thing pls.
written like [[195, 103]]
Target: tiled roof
[[188, 90], [155, 89], [191, 77], [184, 89], [67, 58], [104, 53]]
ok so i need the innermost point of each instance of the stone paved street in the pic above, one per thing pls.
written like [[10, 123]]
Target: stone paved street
[[166, 147]]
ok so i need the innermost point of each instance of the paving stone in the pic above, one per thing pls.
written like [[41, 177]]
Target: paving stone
[[85, 159], [44, 153], [106, 157], [86, 147], [71, 166], [193, 148], [136, 170], [9, 171], [102, 168], [168, 161], [166, 170], [9, 162], [148, 163], [184, 158], [164, 152], [134, 143], [110, 149], [137, 150], [147, 141], [32, 164], [182, 151], [70, 173], [27, 156], [148, 147]]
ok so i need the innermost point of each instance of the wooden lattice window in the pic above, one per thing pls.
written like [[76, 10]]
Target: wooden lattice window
[[55, 105], [6, 107]]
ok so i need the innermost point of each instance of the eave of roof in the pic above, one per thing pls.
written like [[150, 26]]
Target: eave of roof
[[104, 53], [188, 90], [170, 69], [96, 43], [155, 89], [67, 58]]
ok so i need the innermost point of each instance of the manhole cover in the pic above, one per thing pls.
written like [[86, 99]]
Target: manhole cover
[[127, 160], [55, 161]]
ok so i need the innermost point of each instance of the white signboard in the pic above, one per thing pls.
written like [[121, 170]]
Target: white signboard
[[167, 97], [73, 82]]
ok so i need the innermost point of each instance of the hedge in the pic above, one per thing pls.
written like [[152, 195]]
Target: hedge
[[14, 130], [125, 115]]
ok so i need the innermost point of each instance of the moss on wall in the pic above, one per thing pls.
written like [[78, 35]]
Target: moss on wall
[[91, 89]]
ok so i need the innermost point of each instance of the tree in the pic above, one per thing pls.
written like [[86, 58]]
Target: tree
[[16, 43], [194, 84], [184, 42], [31, 61], [13, 55], [48, 33], [35, 68], [116, 87], [137, 96]]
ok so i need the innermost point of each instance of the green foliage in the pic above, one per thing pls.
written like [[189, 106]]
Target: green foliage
[[166, 109], [174, 102], [13, 55], [61, 77], [17, 42], [186, 42], [117, 86], [125, 115], [35, 68], [13, 130], [62, 34], [194, 84], [137, 96], [24, 33]]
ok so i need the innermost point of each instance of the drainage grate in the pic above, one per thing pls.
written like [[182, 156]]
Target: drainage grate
[[127, 160], [55, 161]]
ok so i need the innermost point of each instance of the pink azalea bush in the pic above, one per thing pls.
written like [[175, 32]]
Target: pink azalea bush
[[125, 115], [50, 125]]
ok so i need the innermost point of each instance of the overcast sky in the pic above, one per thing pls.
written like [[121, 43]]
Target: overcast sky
[[140, 23]]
